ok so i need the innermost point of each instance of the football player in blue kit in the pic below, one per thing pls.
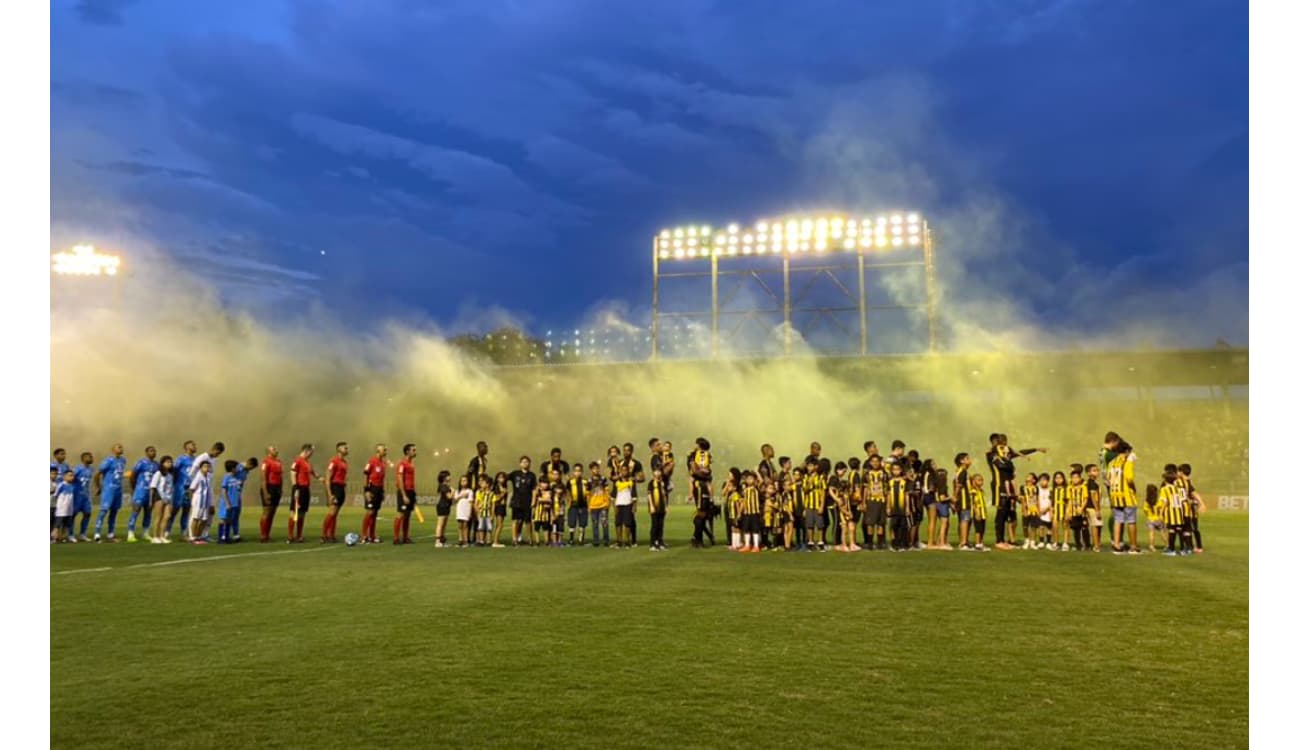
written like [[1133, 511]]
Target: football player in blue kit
[[141, 475], [108, 485]]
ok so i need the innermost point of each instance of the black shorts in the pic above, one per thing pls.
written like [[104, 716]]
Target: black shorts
[[857, 514], [444, 508], [499, 510], [521, 513], [874, 514], [301, 498], [406, 501], [751, 523], [374, 498], [1010, 514], [272, 497], [623, 515], [338, 495]]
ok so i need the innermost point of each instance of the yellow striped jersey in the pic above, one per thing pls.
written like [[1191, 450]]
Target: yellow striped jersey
[[1060, 502], [977, 510], [733, 504], [1076, 499], [578, 492], [657, 496], [874, 485], [483, 502], [897, 495], [1123, 485], [1029, 497], [750, 505], [961, 489], [798, 497], [543, 506], [1174, 510], [814, 486]]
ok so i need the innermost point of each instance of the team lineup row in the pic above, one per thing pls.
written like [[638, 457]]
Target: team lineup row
[[779, 505]]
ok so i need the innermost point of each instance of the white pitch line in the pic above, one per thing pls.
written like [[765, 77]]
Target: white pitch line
[[186, 560], [79, 570]]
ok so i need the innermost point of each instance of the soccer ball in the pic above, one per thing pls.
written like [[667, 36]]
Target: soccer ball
[[351, 539]]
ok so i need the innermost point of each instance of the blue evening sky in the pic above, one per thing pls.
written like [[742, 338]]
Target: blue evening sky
[[454, 157]]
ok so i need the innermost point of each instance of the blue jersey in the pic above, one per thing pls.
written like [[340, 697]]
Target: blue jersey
[[233, 484], [59, 469], [184, 468], [84, 476], [112, 470], [143, 471]]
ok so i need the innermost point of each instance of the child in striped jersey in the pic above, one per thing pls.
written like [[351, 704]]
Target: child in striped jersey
[[1173, 512], [1029, 508], [1150, 508], [1060, 512], [1077, 502]]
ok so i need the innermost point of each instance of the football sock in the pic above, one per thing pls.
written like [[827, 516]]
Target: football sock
[[397, 528], [264, 526]]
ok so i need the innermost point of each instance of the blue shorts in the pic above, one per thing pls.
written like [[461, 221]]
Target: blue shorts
[[963, 515], [577, 517], [140, 500], [81, 505], [180, 499], [1126, 515], [110, 501], [942, 510]]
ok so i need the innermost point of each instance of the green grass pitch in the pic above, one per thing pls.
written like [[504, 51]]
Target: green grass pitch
[[315, 647]]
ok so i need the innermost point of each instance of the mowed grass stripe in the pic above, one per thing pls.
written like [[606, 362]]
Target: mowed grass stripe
[[380, 646]]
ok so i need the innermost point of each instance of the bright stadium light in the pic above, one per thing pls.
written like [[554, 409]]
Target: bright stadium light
[[84, 260], [819, 232]]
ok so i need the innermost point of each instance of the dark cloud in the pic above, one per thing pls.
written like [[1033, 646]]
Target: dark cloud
[[514, 146], [102, 12]]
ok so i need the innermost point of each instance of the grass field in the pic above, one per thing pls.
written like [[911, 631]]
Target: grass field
[[273, 646]]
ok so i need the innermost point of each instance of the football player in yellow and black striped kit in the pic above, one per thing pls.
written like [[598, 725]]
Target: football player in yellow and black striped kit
[[657, 500], [1173, 510], [814, 497], [900, 538], [873, 488], [700, 465], [1076, 507], [1121, 485], [750, 513]]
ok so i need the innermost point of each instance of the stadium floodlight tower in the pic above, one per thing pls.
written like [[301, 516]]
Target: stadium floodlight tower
[[814, 245], [85, 260]]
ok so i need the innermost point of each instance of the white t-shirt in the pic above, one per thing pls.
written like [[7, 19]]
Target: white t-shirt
[[163, 484], [1045, 504], [624, 496], [464, 505]]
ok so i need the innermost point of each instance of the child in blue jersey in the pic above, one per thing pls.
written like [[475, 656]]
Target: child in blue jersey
[[65, 492], [85, 474], [141, 476], [232, 490], [108, 481]]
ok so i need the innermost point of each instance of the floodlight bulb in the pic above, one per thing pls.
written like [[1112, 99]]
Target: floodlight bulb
[[806, 225], [881, 221], [915, 240], [663, 253], [865, 241], [913, 218], [678, 233], [733, 228], [791, 227], [762, 226], [837, 222], [691, 252], [731, 251], [665, 234], [691, 242], [734, 239], [705, 230], [690, 231], [896, 219], [762, 249], [898, 241], [677, 243], [837, 232], [898, 231], [821, 223], [848, 244], [821, 244], [749, 239], [776, 245], [803, 246], [748, 249]]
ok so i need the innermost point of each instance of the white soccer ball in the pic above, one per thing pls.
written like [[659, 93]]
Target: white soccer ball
[[351, 539]]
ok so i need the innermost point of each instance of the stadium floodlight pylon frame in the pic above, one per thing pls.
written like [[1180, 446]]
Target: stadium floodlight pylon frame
[[828, 241]]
